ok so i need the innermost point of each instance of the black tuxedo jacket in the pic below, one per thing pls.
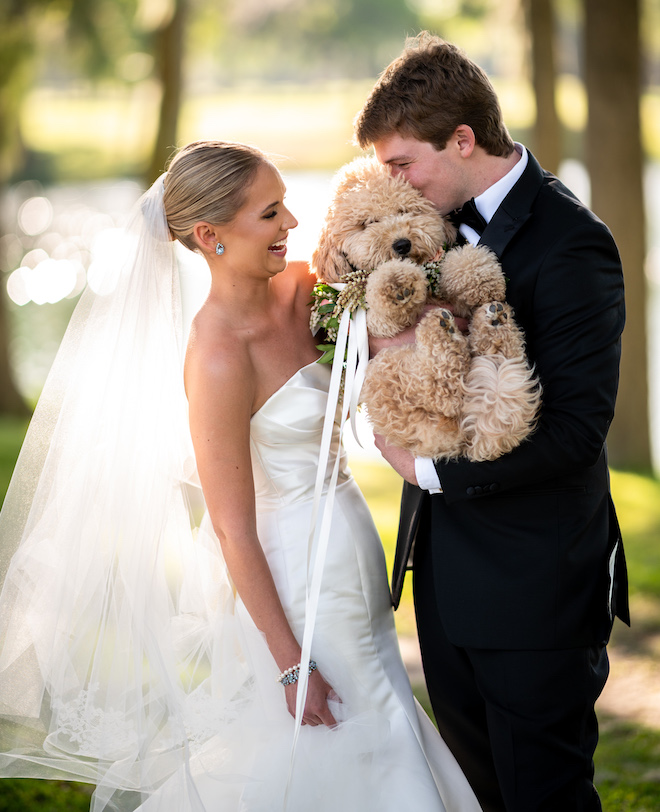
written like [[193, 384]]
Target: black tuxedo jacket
[[526, 549]]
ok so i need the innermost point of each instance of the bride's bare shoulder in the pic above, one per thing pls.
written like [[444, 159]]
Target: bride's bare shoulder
[[299, 268], [296, 282], [216, 355], [297, 276]]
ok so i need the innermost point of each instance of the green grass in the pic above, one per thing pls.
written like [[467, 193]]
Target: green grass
[[29, 795], [628, 767], [628, 755], [12, 431], [637, 500]]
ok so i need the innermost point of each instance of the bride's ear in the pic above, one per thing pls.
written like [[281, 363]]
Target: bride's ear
[[206, 237]]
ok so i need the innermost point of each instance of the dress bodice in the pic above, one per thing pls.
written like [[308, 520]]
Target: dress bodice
[[285, 439]]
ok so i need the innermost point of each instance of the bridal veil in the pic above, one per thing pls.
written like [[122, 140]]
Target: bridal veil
[[114, 610]]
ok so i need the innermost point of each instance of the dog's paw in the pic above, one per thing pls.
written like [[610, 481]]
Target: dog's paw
[[446, 320], [497, 314], [471, 276], [493, 330], [395, 294], [438, 336], [398, 284], [403, 296], [442, 318]]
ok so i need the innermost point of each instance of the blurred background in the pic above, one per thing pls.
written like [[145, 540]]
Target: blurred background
[[96, 94], [94, 97]]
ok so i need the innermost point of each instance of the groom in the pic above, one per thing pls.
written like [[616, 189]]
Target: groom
[[518, 563]]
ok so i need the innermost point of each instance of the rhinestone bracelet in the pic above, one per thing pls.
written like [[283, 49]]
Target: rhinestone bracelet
[[291, 675]]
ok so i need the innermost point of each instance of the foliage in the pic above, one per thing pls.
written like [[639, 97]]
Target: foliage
[[109, 133], [351, 38], [52, 36], [100, 33], [30, 795], [12, 431], [637, 500], [16, 48]]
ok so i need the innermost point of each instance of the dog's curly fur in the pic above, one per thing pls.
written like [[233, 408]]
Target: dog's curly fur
[[370, 210], [447, 394]]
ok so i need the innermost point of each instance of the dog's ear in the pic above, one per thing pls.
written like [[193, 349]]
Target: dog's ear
[[328, 262]]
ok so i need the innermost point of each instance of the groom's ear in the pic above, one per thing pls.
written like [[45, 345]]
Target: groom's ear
[[328, 262], [465, 140]]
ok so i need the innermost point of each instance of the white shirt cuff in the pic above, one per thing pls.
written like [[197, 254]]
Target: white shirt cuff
[[427, 476]]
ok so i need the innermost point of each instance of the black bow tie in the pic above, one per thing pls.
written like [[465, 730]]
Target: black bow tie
[[470, 216]]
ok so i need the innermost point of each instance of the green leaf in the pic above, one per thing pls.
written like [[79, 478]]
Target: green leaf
[[328, 351]]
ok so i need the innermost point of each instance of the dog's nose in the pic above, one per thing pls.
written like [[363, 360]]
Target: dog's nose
[[402, 247]]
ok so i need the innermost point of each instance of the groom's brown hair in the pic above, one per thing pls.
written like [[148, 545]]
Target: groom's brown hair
[[427, 92]]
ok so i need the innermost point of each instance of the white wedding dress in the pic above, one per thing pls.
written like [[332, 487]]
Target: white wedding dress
[[385, 753], [127, 659]]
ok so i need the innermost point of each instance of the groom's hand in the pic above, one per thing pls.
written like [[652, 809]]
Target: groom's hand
[[401, 460], [378, 343], [407, 336]]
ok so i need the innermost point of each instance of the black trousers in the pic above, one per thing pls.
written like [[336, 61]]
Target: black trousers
[[521, 724]]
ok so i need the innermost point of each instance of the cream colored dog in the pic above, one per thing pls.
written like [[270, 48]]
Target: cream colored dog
[[447, 394]]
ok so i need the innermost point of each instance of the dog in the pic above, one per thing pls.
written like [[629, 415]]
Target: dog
[[448, 394]]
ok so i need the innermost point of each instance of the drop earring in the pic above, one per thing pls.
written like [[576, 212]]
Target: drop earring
[[219, 248]]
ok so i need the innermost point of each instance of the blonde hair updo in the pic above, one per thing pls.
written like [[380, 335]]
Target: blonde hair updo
[[208, 180]]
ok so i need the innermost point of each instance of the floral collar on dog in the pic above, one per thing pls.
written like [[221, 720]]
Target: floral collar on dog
[[330, 301]]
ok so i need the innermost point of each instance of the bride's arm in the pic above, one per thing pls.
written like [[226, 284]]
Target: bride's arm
[[220, 394]]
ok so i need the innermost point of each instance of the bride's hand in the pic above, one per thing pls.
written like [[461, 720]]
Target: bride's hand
[[317, 711]]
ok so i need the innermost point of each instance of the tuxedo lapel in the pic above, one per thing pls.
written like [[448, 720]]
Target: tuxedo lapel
[[512, 214], [515, 210]]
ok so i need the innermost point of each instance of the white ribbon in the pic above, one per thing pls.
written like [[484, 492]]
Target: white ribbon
[[353, 344]]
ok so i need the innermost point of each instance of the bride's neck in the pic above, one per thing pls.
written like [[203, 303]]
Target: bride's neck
[[244, 297]]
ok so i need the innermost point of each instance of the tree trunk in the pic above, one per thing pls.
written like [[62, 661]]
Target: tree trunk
[[169, 60], [547, 135], [11, 402], [615, 163], [16, 48]]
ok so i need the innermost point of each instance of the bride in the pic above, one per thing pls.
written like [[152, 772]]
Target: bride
[[163, 661]]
